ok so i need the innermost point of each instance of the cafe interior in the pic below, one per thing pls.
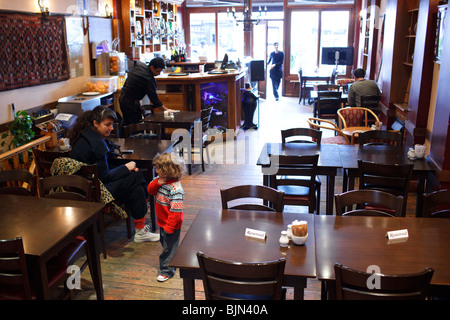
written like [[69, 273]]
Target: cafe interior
[[320, 198]]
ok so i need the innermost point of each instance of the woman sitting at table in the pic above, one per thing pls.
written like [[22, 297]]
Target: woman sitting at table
[[125, 183]]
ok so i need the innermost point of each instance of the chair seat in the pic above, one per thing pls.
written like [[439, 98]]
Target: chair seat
[[294, 192]]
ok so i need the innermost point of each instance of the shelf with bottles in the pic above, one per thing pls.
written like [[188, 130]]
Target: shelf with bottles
[[151, 24]]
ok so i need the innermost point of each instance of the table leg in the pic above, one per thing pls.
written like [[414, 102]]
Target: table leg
[[96, 271], [419, 194], [189, 288], [330, 194]]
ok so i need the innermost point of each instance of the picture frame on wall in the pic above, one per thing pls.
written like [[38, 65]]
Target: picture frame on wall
[[441, 16]]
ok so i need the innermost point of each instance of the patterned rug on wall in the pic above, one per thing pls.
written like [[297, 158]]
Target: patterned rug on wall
[[33, 50]]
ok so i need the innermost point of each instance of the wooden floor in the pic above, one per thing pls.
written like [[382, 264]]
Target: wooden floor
[[130, 270]]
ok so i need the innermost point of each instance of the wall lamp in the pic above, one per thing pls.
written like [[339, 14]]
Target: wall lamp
[[43, 5]]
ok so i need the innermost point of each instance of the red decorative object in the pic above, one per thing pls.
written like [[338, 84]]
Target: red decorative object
[[33, 50]]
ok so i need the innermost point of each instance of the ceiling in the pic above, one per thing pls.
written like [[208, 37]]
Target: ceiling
[[268, 3]]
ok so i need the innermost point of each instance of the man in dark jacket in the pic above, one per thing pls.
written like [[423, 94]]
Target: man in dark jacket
[[140, 82]]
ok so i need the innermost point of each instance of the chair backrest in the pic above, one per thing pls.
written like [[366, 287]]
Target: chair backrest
[[314, 135], [17, 181], [143, 130], [44, 161], [371, 102], [206, 117], [296, 177], [437, 204], [270, 195], [373, 137], [228, 280], [390, 178], [328, 87], [316, 123], [356, 117], [360, 198], [14, 279], [90, 173], [328, 103], [70, 187], [352, 285]]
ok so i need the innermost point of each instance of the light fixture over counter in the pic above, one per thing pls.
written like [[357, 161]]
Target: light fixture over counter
[[247, 19]]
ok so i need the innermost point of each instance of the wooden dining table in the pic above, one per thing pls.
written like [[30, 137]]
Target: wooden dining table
[[360, 242], [143, 153], [423, 169], [328, 164], [47, 226], [180, 120], [221, 234]]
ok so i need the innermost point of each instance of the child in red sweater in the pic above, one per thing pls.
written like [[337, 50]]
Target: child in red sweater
[[169, 197]]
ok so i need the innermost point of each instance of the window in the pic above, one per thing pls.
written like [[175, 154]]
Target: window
[[306, 25], [231, 38], [203, 35]]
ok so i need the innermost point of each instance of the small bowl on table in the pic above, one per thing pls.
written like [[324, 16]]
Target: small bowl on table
[[299, 240]]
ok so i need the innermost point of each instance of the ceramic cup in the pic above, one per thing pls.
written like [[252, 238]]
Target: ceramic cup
[[419, 149]]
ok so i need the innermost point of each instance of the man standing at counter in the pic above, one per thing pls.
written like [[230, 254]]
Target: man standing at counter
[[140, 82]]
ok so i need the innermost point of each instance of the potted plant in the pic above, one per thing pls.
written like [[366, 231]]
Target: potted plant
[[21, 130]]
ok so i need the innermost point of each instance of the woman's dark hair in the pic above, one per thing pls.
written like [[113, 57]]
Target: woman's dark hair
[[86, 120]]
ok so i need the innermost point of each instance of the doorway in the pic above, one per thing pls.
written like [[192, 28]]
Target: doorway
[[265, 34]]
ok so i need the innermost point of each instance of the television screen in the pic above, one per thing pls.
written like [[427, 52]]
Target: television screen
[[344, 55]]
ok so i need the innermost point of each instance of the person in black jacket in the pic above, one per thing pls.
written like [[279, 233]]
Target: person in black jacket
[[125, 182], [140, 82], [249, 101], [276, 69]]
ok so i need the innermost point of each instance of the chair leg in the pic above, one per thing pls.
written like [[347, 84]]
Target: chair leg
[[101, 227]]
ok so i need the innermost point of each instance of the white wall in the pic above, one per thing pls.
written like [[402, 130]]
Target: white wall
[[30, 97]]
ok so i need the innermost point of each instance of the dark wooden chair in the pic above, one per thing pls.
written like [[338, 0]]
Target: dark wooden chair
[[437, 204], [351, 284], [17, 181], [328, 87], [313, 135], [44, 161], [371, 102], [374, 137], [296, 177], [143, 130], [327, 104], [390, 178], [14, 278], [70, 187], [268, 195], [353, 203], [228, 280], [199, 138]]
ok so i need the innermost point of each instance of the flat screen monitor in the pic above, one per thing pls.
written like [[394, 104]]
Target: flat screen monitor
[[343, 54]]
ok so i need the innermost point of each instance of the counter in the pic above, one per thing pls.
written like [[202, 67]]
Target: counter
[[196, 91]]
